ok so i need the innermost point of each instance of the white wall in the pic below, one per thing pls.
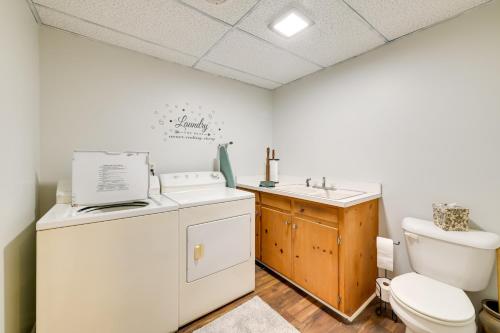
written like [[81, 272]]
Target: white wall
[[420, 115], [97, 96], [19, 146]]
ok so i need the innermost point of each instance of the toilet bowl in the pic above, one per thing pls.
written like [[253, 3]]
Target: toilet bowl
[[425, 305], [432, 299]]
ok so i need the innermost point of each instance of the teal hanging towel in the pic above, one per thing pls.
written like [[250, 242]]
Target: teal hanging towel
[[225, 166]]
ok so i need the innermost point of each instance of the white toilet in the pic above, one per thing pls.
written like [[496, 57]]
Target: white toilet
[[432, 299]]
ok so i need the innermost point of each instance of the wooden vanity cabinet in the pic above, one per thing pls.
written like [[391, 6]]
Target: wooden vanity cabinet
[[315, 259], [358, 229], [328, 251], [276, 240]]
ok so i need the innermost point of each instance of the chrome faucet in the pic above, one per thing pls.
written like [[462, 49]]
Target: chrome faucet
[[324, 187], [308, 182]]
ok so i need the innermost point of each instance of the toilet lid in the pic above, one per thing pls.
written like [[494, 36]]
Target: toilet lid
[[432, 298]]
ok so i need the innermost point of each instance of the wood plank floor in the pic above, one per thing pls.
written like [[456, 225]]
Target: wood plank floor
[[302, 311]]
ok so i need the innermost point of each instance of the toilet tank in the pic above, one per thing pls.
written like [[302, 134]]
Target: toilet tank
[[464, 259]]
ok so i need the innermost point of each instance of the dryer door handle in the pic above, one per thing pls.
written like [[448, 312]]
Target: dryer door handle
[[199, 251]]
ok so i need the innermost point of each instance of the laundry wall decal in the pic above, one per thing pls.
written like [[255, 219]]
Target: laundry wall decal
[[187, 122]]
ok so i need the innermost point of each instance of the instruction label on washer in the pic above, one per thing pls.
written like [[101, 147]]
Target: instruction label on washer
[[112, 177]]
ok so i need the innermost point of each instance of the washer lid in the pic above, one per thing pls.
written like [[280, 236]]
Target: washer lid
[[65, 215], [432, 298]]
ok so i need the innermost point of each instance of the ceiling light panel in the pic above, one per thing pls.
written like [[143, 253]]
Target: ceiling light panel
[[167, 23], [217, 69], [338, 33], [291, 23], [68, 23], [396, 18], [230, 11], [249, 54]]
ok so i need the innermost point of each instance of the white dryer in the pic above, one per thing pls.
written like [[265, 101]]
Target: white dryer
[[216, 243], [108, 269]]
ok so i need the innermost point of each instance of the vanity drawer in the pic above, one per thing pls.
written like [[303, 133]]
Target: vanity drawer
[[276, 201], [315, 210]]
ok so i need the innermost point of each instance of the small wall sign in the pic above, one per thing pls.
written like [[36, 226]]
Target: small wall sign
[[187, 122]]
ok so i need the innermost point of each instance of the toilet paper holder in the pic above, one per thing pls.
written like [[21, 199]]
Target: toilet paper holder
[[382, 306]]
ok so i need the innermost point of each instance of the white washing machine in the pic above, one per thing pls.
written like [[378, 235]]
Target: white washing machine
[[216, 243], [109, 270]]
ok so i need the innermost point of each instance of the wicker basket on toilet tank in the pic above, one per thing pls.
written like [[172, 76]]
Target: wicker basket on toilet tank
[[451, 217]]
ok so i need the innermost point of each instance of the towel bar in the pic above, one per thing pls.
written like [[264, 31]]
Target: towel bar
[[225, 144]]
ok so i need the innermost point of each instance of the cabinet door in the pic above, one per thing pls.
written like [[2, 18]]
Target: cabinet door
[[276, 247], [257, 232], [315, 259]]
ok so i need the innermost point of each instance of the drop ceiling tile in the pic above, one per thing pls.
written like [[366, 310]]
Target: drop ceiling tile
[[338, 32], [217, 69], [247, 53], [396, 18], [69, 23], [230, 11], [165, 22]]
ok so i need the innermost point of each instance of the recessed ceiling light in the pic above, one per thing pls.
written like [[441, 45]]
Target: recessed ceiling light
[[291, 23]]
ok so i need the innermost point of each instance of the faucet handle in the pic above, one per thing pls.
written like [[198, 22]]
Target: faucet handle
[[308, 182]]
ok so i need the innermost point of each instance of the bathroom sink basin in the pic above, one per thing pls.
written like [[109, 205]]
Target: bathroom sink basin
[[300, 189], [337, 194]]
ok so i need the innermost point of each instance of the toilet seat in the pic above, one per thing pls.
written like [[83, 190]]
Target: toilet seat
[[418, 323], [433, 300]]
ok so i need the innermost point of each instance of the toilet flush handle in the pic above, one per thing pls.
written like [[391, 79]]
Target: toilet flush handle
[[412, 236]]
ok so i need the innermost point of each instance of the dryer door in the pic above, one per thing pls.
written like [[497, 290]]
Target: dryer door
[[217, 245]]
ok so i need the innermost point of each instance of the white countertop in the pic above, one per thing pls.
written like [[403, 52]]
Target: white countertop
[[370, 190]]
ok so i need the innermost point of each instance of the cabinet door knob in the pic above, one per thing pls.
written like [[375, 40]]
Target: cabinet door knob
[[294, 226], [287, 223]]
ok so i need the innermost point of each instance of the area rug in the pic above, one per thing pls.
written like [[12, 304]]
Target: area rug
[[253, 316]]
